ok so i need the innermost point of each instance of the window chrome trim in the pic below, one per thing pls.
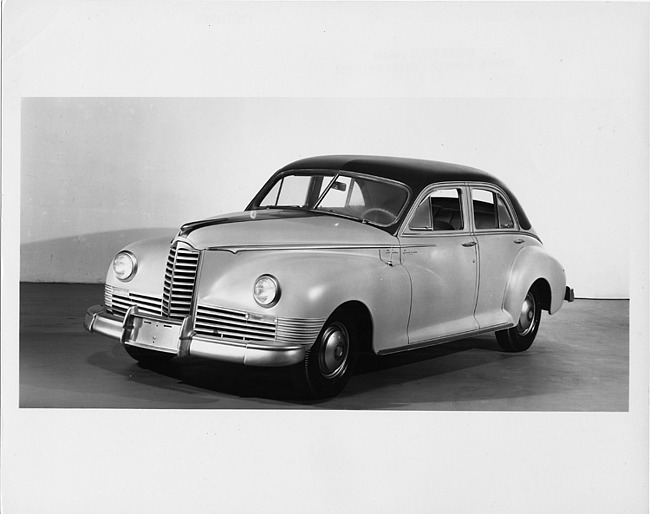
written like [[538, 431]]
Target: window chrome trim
[[405, 231], [486, 186]]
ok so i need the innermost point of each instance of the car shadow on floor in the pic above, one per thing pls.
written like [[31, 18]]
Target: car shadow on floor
[[276, 384], [372, 363]]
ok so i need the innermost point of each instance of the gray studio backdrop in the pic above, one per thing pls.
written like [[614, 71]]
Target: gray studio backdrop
[[98, 173]]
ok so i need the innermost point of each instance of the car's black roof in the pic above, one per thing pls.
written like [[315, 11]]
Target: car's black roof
[[415, 173]]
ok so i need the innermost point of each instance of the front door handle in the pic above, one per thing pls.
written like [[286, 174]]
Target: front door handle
[[469, 244], [519, 241]]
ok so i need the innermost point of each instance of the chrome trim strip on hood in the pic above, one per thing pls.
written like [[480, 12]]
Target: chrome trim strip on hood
[[258, 248]]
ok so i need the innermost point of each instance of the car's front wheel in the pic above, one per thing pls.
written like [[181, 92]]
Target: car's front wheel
[[330, 362], [520, 337]]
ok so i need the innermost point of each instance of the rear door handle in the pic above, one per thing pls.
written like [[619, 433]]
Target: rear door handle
[[469, 243], [519, 241]]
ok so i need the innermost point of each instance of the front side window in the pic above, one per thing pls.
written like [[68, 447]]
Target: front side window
[[441, 210], [366, 199], [490, 210]]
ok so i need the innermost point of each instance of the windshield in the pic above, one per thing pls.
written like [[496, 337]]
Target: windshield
[[363, 198]]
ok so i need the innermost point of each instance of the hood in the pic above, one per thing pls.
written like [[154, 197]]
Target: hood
[[271, 228]]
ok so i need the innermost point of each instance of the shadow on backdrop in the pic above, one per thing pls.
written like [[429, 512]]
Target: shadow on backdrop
[[79, 259]]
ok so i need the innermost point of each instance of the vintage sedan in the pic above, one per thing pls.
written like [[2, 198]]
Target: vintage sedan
[[335, 255]]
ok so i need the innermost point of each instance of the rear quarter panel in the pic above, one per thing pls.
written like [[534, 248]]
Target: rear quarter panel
[[533, 263]]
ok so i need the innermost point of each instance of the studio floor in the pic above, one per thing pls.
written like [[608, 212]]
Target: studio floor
[[579, 362]]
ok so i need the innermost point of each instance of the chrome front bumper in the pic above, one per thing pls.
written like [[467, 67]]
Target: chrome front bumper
[[97, 320]]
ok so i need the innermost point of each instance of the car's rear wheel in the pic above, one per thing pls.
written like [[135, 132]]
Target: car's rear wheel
[[330, 362], [148, 357], [520, 337]]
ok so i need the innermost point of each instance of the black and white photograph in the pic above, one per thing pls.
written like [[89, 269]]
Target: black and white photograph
[[394, 253]]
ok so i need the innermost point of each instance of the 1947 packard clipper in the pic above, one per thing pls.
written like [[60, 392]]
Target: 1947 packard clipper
[[334, 255]]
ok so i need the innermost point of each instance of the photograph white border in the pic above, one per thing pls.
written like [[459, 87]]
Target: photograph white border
[[191, 461]]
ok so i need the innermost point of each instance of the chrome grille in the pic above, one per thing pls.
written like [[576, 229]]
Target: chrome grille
[[118, 301], [247, 327], [180, 277], [233, 325], [298, 331], [108, 297]]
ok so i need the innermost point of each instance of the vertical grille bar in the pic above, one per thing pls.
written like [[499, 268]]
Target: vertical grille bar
[[169, 273], [180, 279]]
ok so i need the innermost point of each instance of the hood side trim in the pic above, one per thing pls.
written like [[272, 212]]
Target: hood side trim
[[260, 248]]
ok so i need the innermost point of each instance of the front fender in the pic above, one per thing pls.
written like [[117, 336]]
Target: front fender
[[151, 255], [313, 284], [531, 264]]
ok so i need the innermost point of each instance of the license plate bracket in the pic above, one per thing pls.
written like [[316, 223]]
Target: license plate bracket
[[154, 334]]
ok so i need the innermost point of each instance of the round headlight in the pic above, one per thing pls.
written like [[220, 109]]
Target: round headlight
[[266, 290], [124, 265]]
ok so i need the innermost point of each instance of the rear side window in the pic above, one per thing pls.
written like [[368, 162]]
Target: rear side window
[[441, 210], [491, 211]]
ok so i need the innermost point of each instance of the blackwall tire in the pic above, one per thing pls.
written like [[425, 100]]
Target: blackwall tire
[[330, 362], [521, 337]]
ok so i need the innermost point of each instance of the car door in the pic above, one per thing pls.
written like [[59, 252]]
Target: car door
[[439, 253], [499, 241]]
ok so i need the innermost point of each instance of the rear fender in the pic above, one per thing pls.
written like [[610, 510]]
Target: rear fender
[[532, 264]]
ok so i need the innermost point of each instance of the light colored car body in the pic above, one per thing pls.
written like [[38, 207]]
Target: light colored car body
[[401, 285]]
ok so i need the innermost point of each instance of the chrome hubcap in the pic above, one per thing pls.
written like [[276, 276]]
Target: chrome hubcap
[[527, 317], [333, 356]]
